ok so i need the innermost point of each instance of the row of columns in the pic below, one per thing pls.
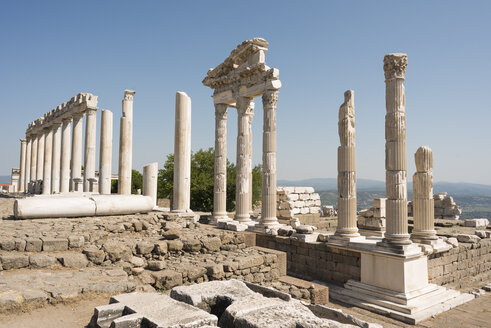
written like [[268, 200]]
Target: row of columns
[[245, 110], [48, 165]]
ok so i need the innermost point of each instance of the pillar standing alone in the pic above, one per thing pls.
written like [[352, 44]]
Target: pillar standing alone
[[126, 144], [182, 154], [347, 228], [395, 151], [105, 156], [150, 174], [22, 165]]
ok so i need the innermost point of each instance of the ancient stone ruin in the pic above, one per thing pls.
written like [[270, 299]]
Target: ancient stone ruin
[[297, 200]]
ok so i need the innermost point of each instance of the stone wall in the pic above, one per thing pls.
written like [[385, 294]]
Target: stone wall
[[445, 207], [315, 261], [297, 200], [461, 265]]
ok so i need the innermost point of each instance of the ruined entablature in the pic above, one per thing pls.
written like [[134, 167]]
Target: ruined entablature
[[243, 74], [78, 104]]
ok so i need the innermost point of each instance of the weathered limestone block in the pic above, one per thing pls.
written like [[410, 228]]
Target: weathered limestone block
[[42, 261], [54, 244], [14, 261], [476, 223]]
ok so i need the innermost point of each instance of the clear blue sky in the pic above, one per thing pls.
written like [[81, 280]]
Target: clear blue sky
[[52, 50]]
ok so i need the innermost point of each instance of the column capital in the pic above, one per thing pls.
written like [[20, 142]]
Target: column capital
[[91, 111], [23, 141], [270, 98], [221, 110], [128, 95], [66, 119], [424, 159], [395, 66], [245, 106], [78, 114]]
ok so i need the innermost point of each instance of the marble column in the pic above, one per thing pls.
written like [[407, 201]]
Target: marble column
[[56, 159], [423, 204], [34, 160], [182, 154], [105, 155], [126, 144], [22, 165], [249, 152], [268, 206], [27, 177], [220, 183], [395, 151], [90, 147], [150, 174], [347, 227], [40, 163], [76, 165], [48, 157], [65, 156], [245, 109]]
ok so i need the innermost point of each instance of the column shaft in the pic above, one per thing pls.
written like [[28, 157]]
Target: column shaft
[[65, 156], [27, 178], [56, 159], [40, 163], [220, 182], [76, 166], [245, 109], [268, 206], [182, 154], [105, 156], [90, 147], [22, 165], [48, 157], [34, 159], [150, 174], [126, 144]]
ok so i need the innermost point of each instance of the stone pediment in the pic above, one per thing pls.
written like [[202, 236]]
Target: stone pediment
[[244, 67]]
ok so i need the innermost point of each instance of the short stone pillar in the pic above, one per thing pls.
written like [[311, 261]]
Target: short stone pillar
[[76, 165], [56, 159], [105, 156], [395, 151], [182, 154], [347, 227], [40, 163], [268, 206], [48, 157], [65, 156], [90, 146], [27, 178], [34, 159], [150, 174], [423, 204], [22, 165], [126, 144], [220, 183], [245, 111]]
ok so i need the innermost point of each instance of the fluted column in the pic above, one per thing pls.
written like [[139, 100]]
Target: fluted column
[[27, 177], [182, 154], [34, 160], [40, 163], [220, 183], [423, 203], [76, 165], [90, 147], [48, 157], [56, 159], [245, 109], [249, 152], [150, 174], [395, 150], [22, 165], [268, 206], [347, 169], [105, 156], [65, 156], [126, 144]]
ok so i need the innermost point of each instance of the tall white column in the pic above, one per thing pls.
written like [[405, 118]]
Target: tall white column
[[150, 174], [40, 163], [27, 178], [76, 165], [245, 109], [249, 152], [90, 147], [56, 159], [182, 154], [220, 181], [22, 165], [347, 169], [395, 151], [48, 157], [65, 156], [105, 156], [34, 160], [268, 206], [125, 144]]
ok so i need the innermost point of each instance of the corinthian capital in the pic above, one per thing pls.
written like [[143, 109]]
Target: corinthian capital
[[221, 110], [128, 95], [245, 106], [395, 66], [270, 98]]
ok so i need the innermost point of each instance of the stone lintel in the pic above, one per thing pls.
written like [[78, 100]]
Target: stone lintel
[[228, 97]]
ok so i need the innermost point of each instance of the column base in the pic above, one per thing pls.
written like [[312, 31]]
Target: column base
[[218, 216], [437, 245], [344, 240], [401, 249]]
